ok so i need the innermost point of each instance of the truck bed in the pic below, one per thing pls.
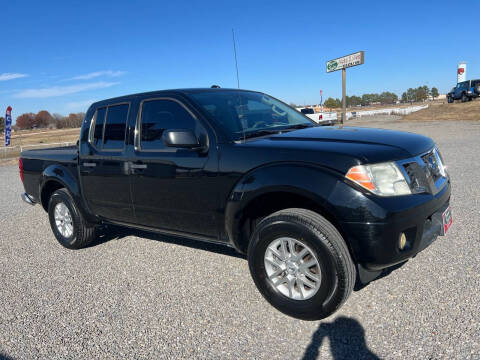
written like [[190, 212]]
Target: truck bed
[[63, 154]]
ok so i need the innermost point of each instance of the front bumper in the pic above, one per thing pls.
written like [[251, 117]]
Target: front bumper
[[419, 217]]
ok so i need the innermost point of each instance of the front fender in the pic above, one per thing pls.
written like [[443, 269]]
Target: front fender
[[309, 181]]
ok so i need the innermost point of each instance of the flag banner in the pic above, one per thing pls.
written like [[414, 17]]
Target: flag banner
[[8, 125]]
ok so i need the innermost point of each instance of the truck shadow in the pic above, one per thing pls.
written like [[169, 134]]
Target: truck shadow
[[112, 232], [347, 340]]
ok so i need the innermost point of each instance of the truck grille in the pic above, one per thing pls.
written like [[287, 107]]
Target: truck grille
[[418, 180], [432, 168], [425, 173]]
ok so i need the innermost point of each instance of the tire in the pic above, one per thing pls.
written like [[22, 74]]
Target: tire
[[477, 89], [80, 234], [449, 99], [464, 98], [335, 270]]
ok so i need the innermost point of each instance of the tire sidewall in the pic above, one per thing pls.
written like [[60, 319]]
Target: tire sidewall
[[323, 302], [62, 196]]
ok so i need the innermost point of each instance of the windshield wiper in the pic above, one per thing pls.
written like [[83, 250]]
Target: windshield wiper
[[298, 126], [258, 133]]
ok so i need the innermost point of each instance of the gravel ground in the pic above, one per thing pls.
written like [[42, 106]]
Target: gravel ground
[[146, 296]]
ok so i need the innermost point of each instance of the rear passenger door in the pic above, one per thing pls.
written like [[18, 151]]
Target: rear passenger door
[[103, 164]]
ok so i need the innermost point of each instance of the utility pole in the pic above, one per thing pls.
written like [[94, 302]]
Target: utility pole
[[344, 95]]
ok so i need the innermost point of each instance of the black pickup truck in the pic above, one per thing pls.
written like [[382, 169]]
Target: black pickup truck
[[315, 209]]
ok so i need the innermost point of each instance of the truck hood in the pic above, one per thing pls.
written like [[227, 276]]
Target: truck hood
[[361, 145], [410, 143]]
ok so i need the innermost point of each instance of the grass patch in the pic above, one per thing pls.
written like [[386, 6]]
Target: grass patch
[[444, 111]]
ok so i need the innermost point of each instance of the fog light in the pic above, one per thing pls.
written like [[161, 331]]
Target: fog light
[[402, 241]]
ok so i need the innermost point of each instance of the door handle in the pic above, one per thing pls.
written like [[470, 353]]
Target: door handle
[[138, 166], [88, 164]]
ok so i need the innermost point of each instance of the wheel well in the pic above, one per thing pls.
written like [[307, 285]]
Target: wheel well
[[267, 204], [48, 189]]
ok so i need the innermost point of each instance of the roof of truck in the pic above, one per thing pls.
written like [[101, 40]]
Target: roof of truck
[[167, 91]]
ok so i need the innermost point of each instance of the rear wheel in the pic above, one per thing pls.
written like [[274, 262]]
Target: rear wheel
[[301, 264], [67, 223]]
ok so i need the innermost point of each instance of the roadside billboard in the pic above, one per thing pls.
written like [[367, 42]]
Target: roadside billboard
[[346, 61]]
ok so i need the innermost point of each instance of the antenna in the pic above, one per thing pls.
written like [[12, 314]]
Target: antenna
[[235, 54]]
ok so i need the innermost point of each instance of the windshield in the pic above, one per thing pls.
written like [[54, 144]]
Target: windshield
[[244, 113]]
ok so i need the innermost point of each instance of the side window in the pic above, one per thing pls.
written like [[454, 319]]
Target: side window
[[115, 126], [98, 130], [161, 115]]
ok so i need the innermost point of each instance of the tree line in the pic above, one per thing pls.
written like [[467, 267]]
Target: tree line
[[385, 98], [43, 119], [419, 94]]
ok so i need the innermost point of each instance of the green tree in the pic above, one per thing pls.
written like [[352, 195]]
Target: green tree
[[411, 94], [421, 93], [332, 103], [354, 100], [404, 97], [2, 124], [434, 93]]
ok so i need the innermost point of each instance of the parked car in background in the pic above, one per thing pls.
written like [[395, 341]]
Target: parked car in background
[[314, 208], [329, 118], [464, 91]]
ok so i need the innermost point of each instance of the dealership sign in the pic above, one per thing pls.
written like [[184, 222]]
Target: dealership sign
[[346, 61]]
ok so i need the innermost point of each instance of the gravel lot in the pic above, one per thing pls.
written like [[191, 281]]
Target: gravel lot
[[147, 296]]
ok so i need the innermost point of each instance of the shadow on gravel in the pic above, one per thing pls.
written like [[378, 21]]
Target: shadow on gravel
[[111, 232], [347, 340], [5, 357]]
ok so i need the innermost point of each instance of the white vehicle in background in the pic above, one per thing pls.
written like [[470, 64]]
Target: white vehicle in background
[[322, 118]]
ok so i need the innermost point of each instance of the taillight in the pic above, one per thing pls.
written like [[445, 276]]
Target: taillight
[[320, 117], [20, 168]]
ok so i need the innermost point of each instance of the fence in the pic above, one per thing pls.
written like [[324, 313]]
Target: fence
[[14, 151], [389, 111]]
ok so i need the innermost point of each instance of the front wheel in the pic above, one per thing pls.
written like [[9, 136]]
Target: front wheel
[[450, 99], [301, 264], [464, 98], [67, 223]]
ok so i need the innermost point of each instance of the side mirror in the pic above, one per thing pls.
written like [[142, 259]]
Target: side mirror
[[183, 138]]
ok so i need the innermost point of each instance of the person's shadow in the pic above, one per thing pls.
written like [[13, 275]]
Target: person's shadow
[[347, 340]]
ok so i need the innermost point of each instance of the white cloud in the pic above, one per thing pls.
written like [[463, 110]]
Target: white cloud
[[108, 73], [62, 90], [11, 76]]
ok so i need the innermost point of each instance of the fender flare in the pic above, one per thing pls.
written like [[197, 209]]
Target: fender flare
[[310, 181], [61, 174]]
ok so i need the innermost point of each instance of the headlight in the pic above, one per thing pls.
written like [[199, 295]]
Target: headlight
[[383, 179], [441, 166]]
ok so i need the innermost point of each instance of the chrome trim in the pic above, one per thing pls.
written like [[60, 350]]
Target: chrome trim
[[87, 164], [28, 199], [439, 184]]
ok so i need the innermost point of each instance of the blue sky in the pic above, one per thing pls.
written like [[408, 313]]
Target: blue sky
[[62, 55]]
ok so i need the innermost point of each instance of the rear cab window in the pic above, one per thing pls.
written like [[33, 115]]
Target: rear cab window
[[108, 128]]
